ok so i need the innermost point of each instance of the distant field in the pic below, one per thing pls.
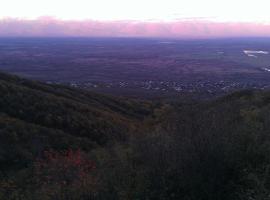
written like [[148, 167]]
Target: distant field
[[149, 64]]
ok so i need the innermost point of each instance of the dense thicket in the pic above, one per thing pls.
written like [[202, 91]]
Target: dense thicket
[[61, 143]]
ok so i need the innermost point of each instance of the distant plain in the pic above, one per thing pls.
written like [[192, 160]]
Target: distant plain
[[138, 66]]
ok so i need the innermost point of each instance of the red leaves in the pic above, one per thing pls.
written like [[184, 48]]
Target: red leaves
[[65, 168]]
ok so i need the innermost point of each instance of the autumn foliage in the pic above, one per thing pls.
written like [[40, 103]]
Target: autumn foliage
[[64, 173]]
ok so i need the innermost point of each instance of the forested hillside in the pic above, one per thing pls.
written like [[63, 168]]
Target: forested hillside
[[36, 117], [60, 143]]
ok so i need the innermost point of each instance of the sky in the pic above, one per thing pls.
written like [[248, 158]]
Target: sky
[[175, 18]]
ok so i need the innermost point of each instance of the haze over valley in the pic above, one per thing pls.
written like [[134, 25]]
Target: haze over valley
[[142, 67], [134, 100]]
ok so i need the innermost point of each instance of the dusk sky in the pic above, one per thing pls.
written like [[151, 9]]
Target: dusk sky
[[150, 18]]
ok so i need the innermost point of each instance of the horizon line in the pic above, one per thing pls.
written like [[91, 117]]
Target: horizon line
[[187, 29]]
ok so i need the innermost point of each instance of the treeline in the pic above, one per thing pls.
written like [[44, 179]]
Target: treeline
[[59, 143]]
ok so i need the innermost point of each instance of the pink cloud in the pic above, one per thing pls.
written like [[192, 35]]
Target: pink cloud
[[50, 27]]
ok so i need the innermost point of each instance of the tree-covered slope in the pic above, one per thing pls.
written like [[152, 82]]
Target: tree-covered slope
[[61, 143], [211, 150], [35, 117], [79, 113]]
